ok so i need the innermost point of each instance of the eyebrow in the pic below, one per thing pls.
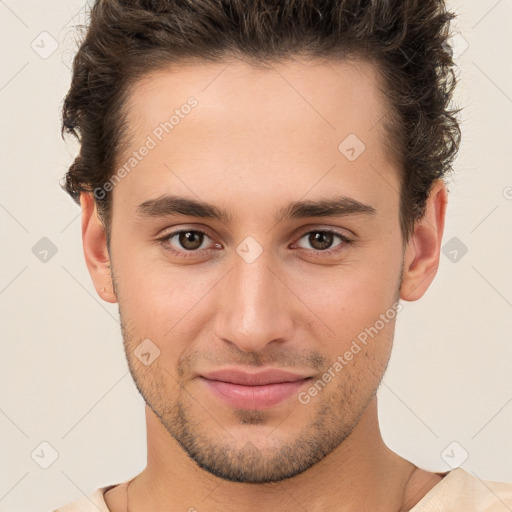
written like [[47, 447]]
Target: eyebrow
[[169, 205]]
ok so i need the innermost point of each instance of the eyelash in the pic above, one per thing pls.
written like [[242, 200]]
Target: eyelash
[[164, 241]]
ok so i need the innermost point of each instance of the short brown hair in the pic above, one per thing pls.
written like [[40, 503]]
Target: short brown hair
[[406, 39]]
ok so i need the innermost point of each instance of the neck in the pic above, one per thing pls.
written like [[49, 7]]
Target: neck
[[360, 474]]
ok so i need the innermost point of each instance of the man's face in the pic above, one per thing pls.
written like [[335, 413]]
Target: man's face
[[258, 290]]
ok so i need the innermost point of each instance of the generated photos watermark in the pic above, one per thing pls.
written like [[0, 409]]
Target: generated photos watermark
[[152, 140], [341, 361]]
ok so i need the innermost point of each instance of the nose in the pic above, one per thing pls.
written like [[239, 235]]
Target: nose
[[255, 306]]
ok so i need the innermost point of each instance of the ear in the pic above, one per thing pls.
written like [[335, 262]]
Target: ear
[[421, 258], [96, 253]]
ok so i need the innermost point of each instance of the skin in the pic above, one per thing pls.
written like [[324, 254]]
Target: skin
[[257, 141]]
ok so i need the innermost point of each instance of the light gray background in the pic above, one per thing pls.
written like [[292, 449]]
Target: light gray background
[[64, 379]]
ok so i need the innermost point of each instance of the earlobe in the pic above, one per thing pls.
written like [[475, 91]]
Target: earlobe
[[421, 259], [96, 253]]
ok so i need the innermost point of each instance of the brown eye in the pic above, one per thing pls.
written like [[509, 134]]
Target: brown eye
[[320, 240], [190, 240], [323, 240], [189, 243]]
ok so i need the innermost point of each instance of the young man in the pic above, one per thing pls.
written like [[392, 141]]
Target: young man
[[261, 183]]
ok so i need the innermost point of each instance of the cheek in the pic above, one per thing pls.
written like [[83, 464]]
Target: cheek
[[156, 298], [350, 299]]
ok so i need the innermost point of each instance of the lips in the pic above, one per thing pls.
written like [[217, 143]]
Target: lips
[[253, 390], [270, 376]]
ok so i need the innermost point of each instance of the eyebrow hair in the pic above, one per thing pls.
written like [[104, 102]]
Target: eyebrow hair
[[167, 205], [340, 206]]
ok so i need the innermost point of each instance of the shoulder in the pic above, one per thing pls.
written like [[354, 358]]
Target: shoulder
[[461, 490], [93, 502]]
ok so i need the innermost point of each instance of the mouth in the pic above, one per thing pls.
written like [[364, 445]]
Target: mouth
[[256, 391]]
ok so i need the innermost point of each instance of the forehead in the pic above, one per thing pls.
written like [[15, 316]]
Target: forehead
[[333, 94], [278, 127]]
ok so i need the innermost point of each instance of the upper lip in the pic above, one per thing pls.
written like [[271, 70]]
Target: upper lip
[[271, 376]]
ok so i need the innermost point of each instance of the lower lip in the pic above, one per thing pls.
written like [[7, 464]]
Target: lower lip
[[254, 397]]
